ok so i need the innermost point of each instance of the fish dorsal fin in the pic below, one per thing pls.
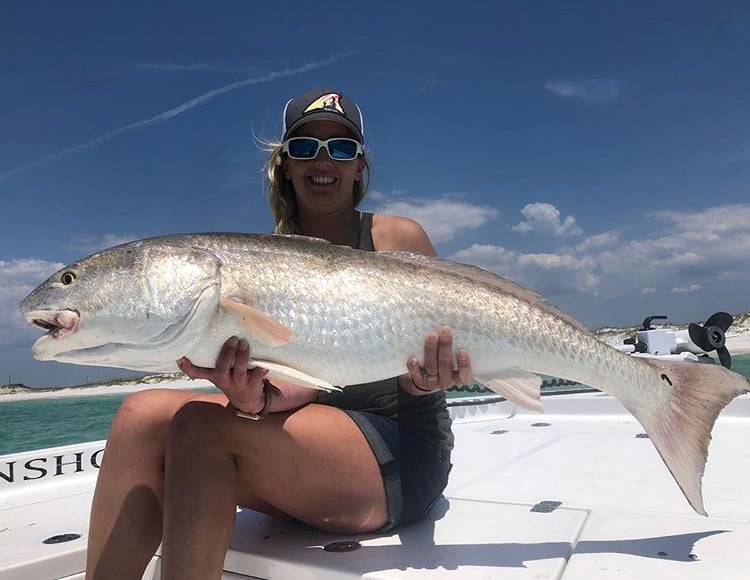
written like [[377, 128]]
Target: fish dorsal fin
[[286, 373], [518, 386], [485, 276], [257, 323]]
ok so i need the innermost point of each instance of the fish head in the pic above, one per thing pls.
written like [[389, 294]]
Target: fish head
[[124, 298]]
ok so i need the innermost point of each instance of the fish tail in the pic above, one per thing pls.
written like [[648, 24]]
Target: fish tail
[[680, 428]]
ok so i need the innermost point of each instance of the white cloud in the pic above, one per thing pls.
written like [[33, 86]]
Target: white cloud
[[17, 279], [544, 218], [686, 289], [559, 274], [443, 218], [377, 195], [694, 247], [89, 244], [600, 91], [495, 258], [707, 224], [548, 274], [598, 242], [696, 252]]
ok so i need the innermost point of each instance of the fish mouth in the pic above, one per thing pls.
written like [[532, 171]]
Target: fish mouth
[[57, 323]]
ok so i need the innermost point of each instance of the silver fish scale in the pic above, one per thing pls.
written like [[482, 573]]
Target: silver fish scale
[[375, 312]]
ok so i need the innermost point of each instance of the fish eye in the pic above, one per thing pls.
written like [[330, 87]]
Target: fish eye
[[68, 278]]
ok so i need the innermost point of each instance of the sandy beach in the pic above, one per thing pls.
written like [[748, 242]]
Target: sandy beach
[[739, 344], [96, 390]]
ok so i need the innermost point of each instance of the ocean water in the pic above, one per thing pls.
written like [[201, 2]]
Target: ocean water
[[29, 425]]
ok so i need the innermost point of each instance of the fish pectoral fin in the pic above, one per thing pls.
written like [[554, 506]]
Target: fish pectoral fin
[[257, 323], [518, 386], [286, 373]]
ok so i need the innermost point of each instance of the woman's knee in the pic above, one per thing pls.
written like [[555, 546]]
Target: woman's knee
[[146, 414], [196, 425]]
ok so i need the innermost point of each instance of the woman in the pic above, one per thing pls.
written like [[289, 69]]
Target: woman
[[375, 456]]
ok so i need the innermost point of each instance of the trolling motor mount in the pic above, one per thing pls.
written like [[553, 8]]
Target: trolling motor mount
[[696, 340]]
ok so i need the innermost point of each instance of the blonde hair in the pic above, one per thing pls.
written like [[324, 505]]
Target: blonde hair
[[281, 195]]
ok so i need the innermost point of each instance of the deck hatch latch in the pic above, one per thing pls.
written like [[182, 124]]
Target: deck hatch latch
[[342, 546], [545, 507], [60, 538]]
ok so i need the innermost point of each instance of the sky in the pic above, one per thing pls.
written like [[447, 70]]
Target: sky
[[597, 152]]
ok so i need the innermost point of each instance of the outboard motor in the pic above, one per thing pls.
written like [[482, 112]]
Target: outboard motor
[[712, 336], [697, 339]]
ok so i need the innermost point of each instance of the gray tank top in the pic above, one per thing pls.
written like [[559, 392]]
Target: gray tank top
[[427, 415], [365, 232]]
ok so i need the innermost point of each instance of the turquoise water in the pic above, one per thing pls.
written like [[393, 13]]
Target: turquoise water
[[28, 425]]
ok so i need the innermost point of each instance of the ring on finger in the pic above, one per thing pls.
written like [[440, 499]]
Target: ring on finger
[[428, 377], [416, 386]]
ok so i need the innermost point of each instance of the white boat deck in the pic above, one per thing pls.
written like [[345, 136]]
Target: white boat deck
[[574, 494]]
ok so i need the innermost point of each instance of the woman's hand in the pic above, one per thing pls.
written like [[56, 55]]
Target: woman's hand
[[437, 372], [242, 386]]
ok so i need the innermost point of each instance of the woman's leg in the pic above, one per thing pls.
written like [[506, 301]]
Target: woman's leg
[[126, 516], [313, 464]]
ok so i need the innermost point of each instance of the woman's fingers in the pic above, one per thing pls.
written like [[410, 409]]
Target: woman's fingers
[[415, 370], [193, 371], [231, 374], [437, 370], [231, 365], [445, 358], [430, 365], [241, 357], [225, 360], [464, 375]]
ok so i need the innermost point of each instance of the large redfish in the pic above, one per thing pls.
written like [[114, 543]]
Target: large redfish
[[327, 316]]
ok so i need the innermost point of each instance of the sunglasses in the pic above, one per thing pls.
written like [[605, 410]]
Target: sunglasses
[[338, 148]]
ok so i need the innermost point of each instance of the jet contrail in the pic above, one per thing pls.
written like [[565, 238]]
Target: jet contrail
[[174, 112]]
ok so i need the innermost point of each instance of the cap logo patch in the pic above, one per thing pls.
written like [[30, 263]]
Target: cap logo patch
[[328, 102]]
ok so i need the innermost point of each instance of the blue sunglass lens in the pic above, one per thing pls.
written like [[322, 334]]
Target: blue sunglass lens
[[302, 148], [342, 149]]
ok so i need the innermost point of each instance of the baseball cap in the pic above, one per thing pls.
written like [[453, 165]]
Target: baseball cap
[[322, 104]]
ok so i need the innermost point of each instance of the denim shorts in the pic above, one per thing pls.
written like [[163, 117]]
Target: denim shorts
[[415, 472]]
